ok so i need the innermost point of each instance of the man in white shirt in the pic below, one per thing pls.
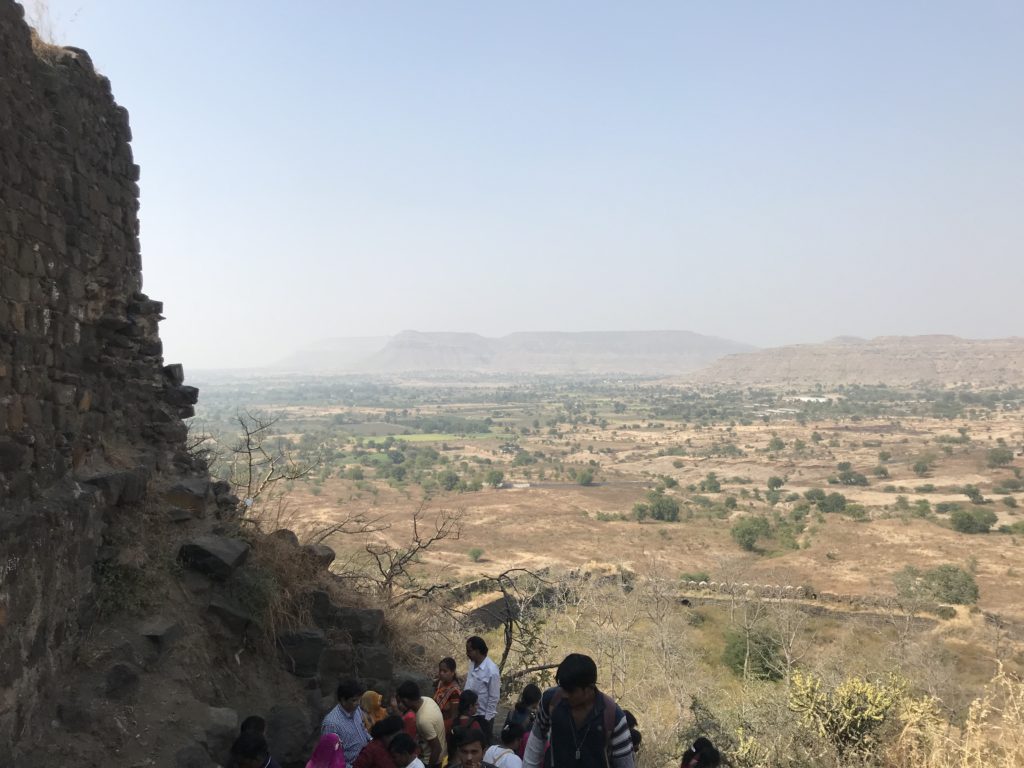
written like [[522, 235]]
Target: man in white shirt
[[484, 679]]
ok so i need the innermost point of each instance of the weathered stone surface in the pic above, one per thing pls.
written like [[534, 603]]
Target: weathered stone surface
[[375, 662], [301, 650], [321, 553], [179, 515], [234, 617], [283, 534], [290, 730], [362, 624], [193, 493], [336, 663], [216, 556], [121, 682], [192, 756], [220, 728], [162, 631]]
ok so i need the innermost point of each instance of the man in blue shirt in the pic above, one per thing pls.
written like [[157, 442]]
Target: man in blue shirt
[[346, 720]]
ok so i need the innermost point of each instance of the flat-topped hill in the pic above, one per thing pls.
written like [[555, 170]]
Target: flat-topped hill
[[897, 360], [596, 352]]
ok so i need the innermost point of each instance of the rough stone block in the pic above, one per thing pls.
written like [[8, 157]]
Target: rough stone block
[[216, 556], [301, 650]]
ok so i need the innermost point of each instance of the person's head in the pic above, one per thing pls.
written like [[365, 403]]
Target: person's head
[[349, 692], [577, 677], [409, 695], [254, 724], [702, 755], [370, 701], [467, 703], [511, 735], [328, 752], [386, 728], [472, 744], [476, 649], [446, 670], [529, 699], [403, 749], [250, 750]]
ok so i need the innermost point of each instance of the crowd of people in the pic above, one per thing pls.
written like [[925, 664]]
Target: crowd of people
[[572, 725]]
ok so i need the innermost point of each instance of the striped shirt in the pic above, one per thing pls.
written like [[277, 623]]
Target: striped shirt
[[350, 730], [586, 746]]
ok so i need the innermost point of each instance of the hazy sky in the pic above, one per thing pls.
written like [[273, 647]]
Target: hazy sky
[[771, 172]]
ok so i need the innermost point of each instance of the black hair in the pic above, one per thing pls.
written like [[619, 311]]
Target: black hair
[[477, 643], [705, 752], [512, 733], [348, 689], [408, 690], [250, 746], [403, 743], [389, 726], [253, 724], [465, 736], [576, 671], [466, 700], [634, 732], [530, 696], [448, 663]]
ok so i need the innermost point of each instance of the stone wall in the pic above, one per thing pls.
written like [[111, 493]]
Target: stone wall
[[88, 411]]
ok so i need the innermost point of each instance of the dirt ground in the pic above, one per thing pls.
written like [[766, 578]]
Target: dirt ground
[[556, 523]]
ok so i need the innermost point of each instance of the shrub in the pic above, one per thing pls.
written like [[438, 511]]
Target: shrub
[[697, 576], [747, 531], [1010, 502], [972, 520], [757, 656], [475, 554], [999, 457], [834, 502], [943, 584]]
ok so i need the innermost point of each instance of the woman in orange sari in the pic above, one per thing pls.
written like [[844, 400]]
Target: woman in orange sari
[[373, 712], [447, 694]]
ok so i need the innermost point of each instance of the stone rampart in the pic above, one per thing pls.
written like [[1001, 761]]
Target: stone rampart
[[88, 411]]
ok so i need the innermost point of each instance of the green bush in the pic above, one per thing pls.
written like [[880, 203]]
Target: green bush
[[943, 584], [697, 576], [475, 554], [999, 457], [758, 655], [747, 531], [972, 520]]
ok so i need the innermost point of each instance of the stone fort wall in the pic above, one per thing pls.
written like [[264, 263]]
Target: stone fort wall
[[88, 411]]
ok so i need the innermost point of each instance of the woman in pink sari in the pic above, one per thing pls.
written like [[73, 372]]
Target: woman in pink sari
[[328, 753]]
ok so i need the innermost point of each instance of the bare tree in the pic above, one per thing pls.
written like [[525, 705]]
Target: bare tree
[[394, 580]]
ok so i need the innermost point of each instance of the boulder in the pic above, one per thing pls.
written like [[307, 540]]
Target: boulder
[[216, 556], [125, 486], [321, 554], [162, 632], [192, 493], [400, 675], [288, 537], [179, 515], [301, 650]]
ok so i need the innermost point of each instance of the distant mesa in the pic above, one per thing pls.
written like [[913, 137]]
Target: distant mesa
[[592, 352], [896, 360]]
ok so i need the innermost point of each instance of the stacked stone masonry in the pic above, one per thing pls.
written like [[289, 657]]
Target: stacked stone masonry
[[88, 411]]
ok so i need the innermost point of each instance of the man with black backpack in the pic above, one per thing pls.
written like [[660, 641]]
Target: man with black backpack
[[580, 726]]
